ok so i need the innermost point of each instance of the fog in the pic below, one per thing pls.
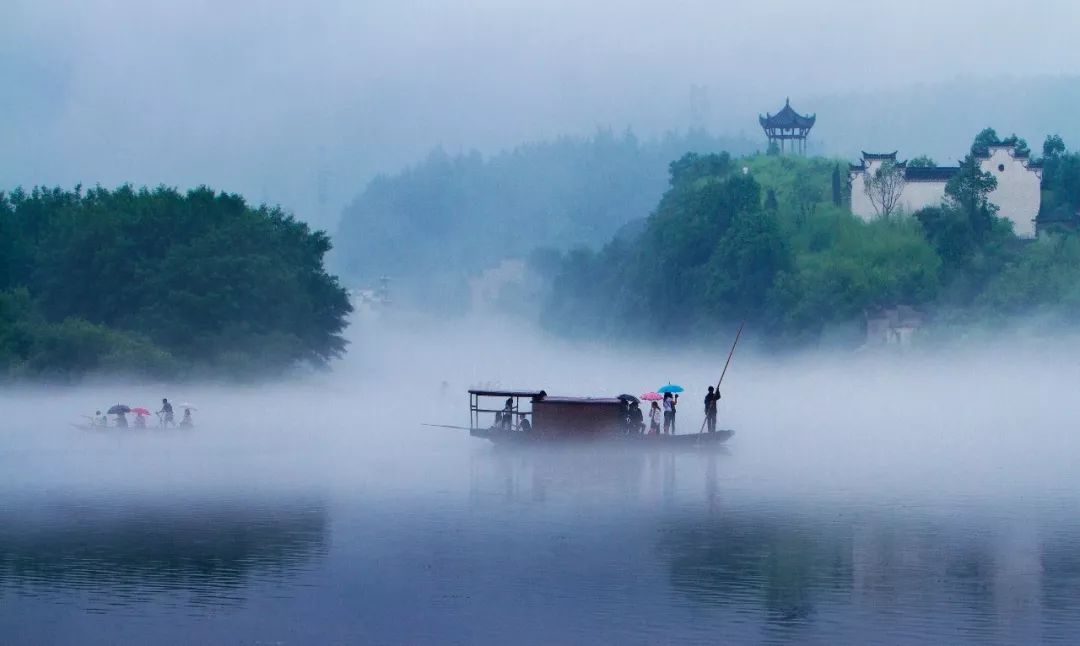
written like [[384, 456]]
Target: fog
[[927, 492], [981, 420], [302, 103]]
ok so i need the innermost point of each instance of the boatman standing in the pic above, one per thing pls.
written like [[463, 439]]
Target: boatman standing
[[710, 408]]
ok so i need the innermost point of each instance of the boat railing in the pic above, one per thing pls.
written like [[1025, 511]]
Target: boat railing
[[515, 411]]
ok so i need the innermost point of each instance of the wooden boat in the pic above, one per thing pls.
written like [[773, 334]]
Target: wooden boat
[[573, 419], [83, 426]]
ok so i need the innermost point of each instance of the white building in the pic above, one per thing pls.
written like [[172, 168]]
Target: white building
[[1017, 195]]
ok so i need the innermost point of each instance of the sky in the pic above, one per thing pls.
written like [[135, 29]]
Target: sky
[[300, 103]]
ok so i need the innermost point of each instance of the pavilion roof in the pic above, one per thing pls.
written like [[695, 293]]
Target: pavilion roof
[[786, 118]]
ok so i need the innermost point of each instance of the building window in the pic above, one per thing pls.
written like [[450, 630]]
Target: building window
[[1001, 168]]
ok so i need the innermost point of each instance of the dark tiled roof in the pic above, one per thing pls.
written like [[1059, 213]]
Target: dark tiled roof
[[787, 118], [930, 174], [882, 156], [856, 167]]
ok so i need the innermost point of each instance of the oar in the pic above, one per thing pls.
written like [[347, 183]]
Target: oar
[[459, 428], [726, 364]]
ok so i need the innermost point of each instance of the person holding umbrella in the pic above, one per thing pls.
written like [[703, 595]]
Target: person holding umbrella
[[669, 412], [671, 400], [140, 416], [654, 418], [120, 410], [654, 411]]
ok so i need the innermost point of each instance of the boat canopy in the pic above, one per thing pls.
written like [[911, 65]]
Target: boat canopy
[[583, 401], [506, 393]]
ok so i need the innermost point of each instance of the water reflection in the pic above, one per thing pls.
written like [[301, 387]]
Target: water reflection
[[631, 475], [997, 578], [130, 550], [803, 566]]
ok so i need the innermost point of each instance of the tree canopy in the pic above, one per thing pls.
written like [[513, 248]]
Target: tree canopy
[[163, 282]]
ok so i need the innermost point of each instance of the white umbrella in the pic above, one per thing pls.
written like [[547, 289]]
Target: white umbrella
[[188, 405]]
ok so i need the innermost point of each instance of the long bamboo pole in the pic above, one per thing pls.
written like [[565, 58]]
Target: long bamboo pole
[[726, 364]]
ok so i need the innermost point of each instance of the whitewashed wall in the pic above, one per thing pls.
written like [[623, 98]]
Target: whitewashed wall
[[1018, 193]]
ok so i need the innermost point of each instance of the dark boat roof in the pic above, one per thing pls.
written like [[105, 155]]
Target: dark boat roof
[[506, 393], [584, 401]]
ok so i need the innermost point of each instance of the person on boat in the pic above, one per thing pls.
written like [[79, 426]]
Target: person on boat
[[121, 420], [524, 425], [710, 408], [140, 421], [637, 418], [187, 422], [508, 413], [100, 420], [654, 419], [167, 411], [674, 405], [669, 412]]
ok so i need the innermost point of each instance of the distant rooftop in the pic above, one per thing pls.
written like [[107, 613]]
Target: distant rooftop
[[787, 118]]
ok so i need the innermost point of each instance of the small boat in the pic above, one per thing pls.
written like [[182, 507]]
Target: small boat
[[529, 417], [83, 426]]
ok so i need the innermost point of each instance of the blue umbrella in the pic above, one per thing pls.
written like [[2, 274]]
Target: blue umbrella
[[119, 409], [670, 388]]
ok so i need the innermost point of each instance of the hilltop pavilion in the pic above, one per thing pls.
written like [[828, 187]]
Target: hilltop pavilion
[[787, 126]]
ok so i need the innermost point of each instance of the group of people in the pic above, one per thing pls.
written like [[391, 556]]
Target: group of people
[[165, 415], [665, 410], [505, 418]]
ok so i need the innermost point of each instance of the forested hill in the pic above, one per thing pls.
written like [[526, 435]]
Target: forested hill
[[459, 214], [162, 284], [771, 240]]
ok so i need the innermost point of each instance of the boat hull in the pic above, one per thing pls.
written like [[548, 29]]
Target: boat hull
[[690, 440], [128, 429]]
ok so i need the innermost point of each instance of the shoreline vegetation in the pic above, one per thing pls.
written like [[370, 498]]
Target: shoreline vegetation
[[161, 284], [168, 285], [771, 240], [736, 235]]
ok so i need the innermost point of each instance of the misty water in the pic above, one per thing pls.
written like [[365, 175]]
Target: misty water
[[864, 498]]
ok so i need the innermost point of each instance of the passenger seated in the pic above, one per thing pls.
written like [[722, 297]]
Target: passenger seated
[[186, 422], [524, 425], [637, 418], [140, 421]]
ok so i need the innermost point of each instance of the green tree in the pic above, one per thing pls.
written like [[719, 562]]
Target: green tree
[[969, 192], [1053, 147], [884, 187], [922, 161], [198, 275], [771, 204], [981, 146]]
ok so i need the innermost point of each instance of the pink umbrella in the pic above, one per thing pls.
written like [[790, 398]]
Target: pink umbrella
[[139, 410], [652, 397]]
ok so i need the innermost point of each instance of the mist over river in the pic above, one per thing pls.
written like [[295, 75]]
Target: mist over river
[[871, 499]]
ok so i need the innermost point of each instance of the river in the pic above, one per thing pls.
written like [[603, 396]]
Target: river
[[854, 519]]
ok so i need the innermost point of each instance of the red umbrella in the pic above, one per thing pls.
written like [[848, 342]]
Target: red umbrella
[[652, 397], [139, 410]]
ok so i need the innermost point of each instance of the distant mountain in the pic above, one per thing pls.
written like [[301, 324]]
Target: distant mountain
[[460, 214]]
